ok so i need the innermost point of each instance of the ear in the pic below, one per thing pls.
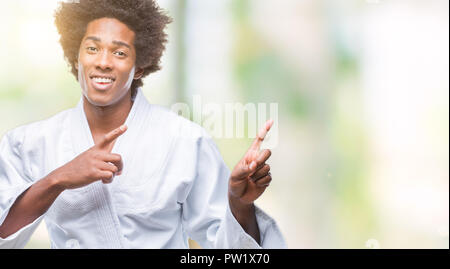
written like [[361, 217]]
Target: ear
[[139, 72]]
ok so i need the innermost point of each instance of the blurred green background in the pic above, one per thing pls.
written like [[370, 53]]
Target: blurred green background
[[362, 86]]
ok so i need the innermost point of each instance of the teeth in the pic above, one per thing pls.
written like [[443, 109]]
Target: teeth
[[102, 80]]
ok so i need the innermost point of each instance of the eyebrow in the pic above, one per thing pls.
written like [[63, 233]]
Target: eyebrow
[[116, 42]]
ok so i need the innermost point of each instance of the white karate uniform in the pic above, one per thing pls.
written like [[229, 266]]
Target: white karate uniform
[[173, 186]]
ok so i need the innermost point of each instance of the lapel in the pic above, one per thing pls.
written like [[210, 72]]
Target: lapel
[[81, 134], [82, 140]]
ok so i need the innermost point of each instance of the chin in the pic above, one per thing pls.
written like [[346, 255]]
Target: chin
[[103, 98], [99, 99]]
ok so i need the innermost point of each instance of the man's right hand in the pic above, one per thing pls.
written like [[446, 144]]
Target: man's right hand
[[96, 163]]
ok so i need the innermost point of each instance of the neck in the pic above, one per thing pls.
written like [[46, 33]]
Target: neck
[[103, 119]]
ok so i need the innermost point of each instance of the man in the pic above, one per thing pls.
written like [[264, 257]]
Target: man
[[116, 171]]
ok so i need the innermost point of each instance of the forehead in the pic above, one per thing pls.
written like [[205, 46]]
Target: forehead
[[109, 29]]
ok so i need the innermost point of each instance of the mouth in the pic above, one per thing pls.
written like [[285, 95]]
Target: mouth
[[102, 83]]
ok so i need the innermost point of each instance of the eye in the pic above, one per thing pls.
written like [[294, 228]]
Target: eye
[[120, 53], [91, 49]]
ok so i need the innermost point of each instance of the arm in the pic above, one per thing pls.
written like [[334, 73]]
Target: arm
[[245, 215], [30, 205], [214, 218], [248, 180], [97, 163]]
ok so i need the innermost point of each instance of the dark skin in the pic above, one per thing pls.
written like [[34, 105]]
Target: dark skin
[[107, 51]]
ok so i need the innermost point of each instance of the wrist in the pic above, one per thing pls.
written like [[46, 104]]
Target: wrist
[[244, 213], [55, 181], [238, 207]]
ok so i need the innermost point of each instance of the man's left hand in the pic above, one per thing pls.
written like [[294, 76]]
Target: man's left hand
[[251, 176]]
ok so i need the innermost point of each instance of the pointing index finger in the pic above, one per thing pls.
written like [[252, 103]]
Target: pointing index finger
[[111, 136], [261, 135]]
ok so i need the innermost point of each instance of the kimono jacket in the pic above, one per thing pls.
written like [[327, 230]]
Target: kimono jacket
[[174, 185]]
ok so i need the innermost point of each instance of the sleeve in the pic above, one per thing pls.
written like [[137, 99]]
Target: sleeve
[[207, 217], [14, 180]]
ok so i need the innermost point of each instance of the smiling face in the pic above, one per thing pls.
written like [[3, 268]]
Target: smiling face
[[106, 62]]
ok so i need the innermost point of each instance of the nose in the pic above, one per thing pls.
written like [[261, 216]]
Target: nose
[[104, 61]]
